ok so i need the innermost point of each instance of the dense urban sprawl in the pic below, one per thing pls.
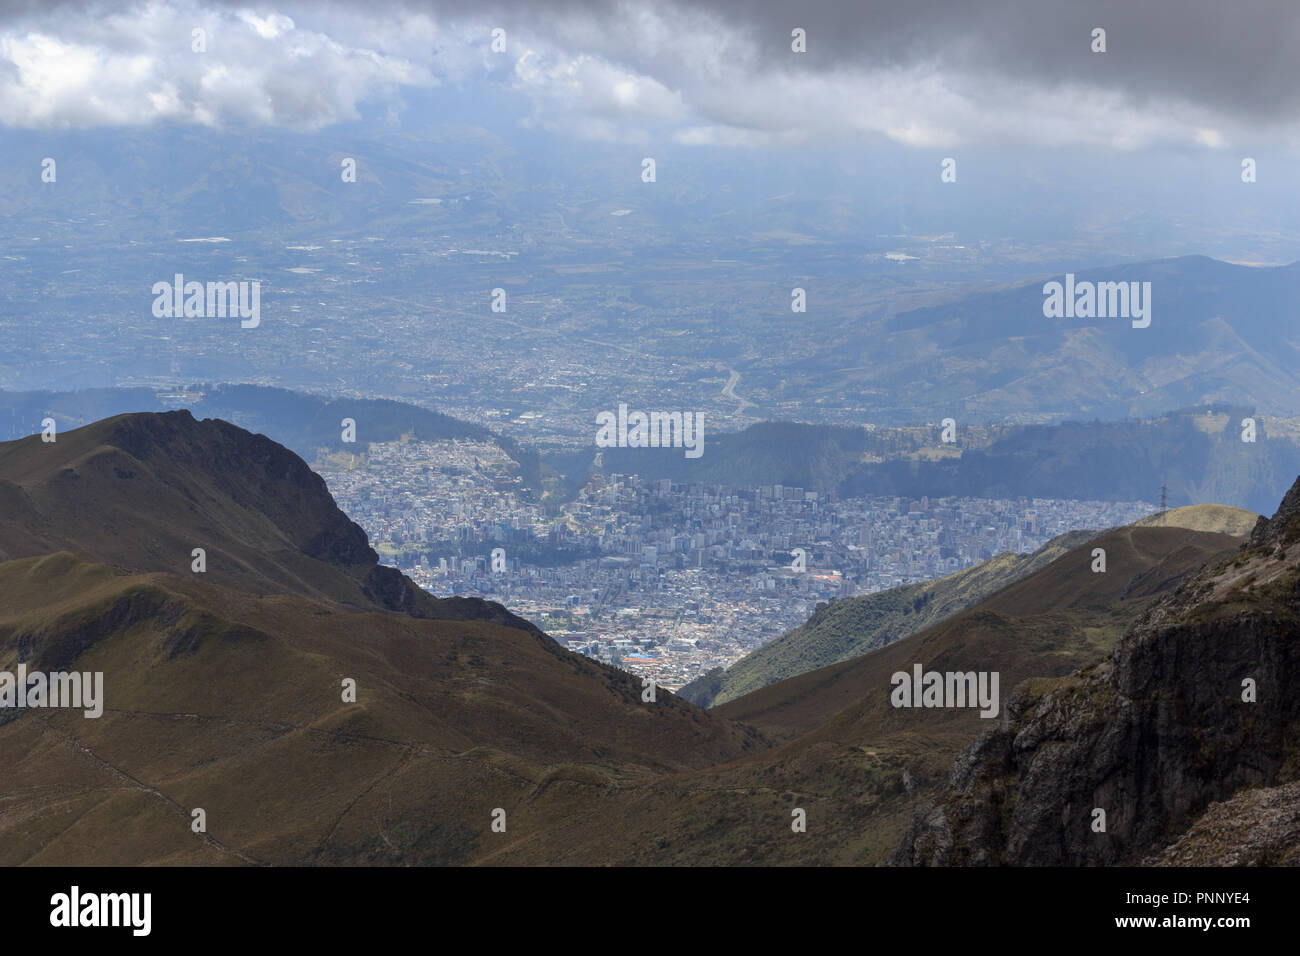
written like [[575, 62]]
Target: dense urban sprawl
[[663, 579]]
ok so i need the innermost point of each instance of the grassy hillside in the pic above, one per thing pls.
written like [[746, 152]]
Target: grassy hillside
[[218, 699], [1221, 518], [857, 766], [223, 689], [1063, 611], [849, 628], [142, 492]]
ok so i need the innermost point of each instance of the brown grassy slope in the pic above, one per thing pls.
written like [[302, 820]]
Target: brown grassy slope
[[1063, 612], [231, 702], [1207, 517], [853, 626], [858, 766], [224, 694]]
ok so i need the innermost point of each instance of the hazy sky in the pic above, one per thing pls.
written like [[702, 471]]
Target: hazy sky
[[1194, 74]]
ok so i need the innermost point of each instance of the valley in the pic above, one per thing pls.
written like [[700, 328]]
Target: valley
[[463, 709]]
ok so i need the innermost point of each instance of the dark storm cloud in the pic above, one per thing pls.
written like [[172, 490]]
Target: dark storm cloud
[[957, 65], [1237, 58], [1234, 57]]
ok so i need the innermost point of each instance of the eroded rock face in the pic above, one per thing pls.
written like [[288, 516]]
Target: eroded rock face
[[1151, 737]]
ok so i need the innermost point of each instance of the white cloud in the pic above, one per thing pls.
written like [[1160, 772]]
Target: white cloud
[[137, 67], [635, 72], [1211, 138], [586, 86], [267, 27]]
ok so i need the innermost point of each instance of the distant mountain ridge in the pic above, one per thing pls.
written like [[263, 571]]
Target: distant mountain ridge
[[1220, 333], [1196, 452], [301, 422]]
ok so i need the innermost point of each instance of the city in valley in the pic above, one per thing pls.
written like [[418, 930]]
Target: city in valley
[[663, 579]]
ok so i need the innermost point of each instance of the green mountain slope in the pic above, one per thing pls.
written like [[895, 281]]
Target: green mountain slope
[[851, 627]]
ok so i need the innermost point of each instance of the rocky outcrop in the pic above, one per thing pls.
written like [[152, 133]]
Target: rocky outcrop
[[1199, 700], [1255, 828], [1284, 524]]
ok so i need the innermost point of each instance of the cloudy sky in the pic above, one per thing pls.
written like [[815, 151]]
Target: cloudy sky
[[1193, 74]]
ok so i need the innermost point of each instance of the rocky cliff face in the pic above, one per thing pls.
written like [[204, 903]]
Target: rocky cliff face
[[1284, 526], [1152, 737]]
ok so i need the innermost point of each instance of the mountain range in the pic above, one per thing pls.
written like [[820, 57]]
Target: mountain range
[[305, 423], [1219, 333], [223, 688], [1196, 453], [222, 692]]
